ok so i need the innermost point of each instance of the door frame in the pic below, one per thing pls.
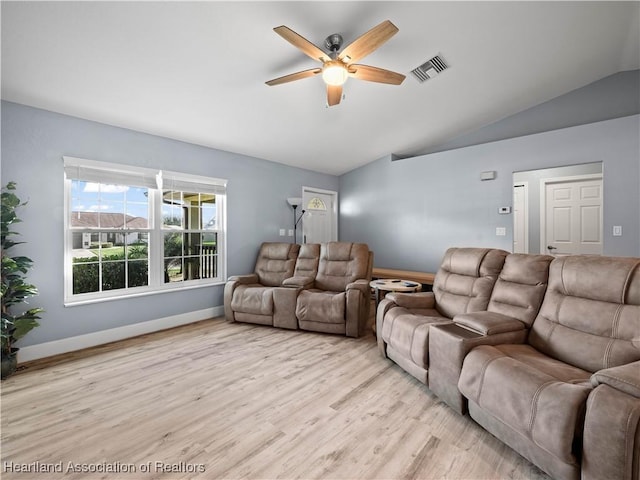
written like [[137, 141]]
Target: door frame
[[525, 213], [543, 202], [334, 208]]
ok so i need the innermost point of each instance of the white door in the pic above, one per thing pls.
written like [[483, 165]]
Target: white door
[[573, 217], [520, 218], [320, 220]]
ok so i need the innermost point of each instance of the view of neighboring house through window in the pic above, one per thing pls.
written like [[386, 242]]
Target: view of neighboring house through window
[[134, 231], [110, 236]]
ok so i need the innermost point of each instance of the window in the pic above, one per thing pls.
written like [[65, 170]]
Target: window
[[132, 231]]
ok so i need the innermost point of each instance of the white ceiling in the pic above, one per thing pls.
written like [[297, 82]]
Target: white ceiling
[[196, 71]]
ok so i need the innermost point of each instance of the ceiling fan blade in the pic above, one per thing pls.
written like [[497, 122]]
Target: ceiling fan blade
[[334, 94], [302, 43], [375, 74], [368, 42], [294, 76]]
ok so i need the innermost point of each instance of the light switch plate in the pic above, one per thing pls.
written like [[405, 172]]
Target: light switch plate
[[617, 230], [282, 232]]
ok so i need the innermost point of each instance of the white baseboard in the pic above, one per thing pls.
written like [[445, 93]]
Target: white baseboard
[[65, 345]]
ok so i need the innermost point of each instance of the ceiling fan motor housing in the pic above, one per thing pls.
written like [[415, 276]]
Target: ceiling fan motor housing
[[333, 42]]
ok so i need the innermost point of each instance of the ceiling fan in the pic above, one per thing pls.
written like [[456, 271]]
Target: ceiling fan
[[338, 65]]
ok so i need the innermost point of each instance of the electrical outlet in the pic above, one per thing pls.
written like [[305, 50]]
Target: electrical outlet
[[290, 233], [501, 231], [282, 232]]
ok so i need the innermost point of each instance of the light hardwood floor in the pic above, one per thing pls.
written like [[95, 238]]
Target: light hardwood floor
[[241, 401]]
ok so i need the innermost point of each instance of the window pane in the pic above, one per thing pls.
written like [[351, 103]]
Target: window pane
[[81, 244], [191, 211], [172, 215], [173, 270], [85, 276], [113, 275], [138, 273], [84, 205], [209, 212], [173, 251], [173, 244], [137, 208], [208, 260], [137, 245]]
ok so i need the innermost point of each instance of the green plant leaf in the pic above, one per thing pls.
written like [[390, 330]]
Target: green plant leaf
[[14, 290]]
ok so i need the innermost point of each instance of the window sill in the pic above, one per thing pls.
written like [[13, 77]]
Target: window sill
[[125, 296]]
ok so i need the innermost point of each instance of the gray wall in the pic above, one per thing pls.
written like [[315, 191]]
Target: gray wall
[[33, 143], [410, 211], [611, 97]]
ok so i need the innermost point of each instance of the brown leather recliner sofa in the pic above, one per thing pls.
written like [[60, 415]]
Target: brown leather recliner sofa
[[325, 288], [462, 284], [538, 395], [551, 366]]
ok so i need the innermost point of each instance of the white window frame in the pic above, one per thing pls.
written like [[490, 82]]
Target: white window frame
[[103, 172]]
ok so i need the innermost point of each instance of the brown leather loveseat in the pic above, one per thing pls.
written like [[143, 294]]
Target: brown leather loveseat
[[324, 289]]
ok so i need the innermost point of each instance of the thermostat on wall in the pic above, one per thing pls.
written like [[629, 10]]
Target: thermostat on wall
[[504, 210], [490, 175]]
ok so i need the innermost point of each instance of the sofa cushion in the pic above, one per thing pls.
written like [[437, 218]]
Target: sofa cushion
[[590, 315], [276, 261], [307, 261], [341, 263], [539, 397], [466, 278], [520, 287], [253, 298], [407, 332], [321, 306]]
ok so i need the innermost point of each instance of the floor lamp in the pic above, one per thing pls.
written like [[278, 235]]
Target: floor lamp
[[294, 202]]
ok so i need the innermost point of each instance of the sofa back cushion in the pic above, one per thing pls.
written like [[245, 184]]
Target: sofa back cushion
[[520, 287], [307, 262], [590, 316], [466, 278], [276, 262], [342, 263]]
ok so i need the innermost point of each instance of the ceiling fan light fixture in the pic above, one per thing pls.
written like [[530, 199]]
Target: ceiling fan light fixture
[[334, 73]]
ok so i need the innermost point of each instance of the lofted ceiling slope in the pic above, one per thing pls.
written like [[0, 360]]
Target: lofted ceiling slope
[[195, 71]]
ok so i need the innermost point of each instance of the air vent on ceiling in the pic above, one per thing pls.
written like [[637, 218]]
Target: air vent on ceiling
[[429, 69]]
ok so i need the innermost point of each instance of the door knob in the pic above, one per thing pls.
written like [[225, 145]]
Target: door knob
[[549, 247]]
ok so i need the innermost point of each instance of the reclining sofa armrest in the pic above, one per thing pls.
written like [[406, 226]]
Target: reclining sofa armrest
[[361, 285], [625, 378], [412, 300], [489, 323], [244, 279], [230, 287], [358, 299], [611, 437], [383, 307], [299, 282]]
